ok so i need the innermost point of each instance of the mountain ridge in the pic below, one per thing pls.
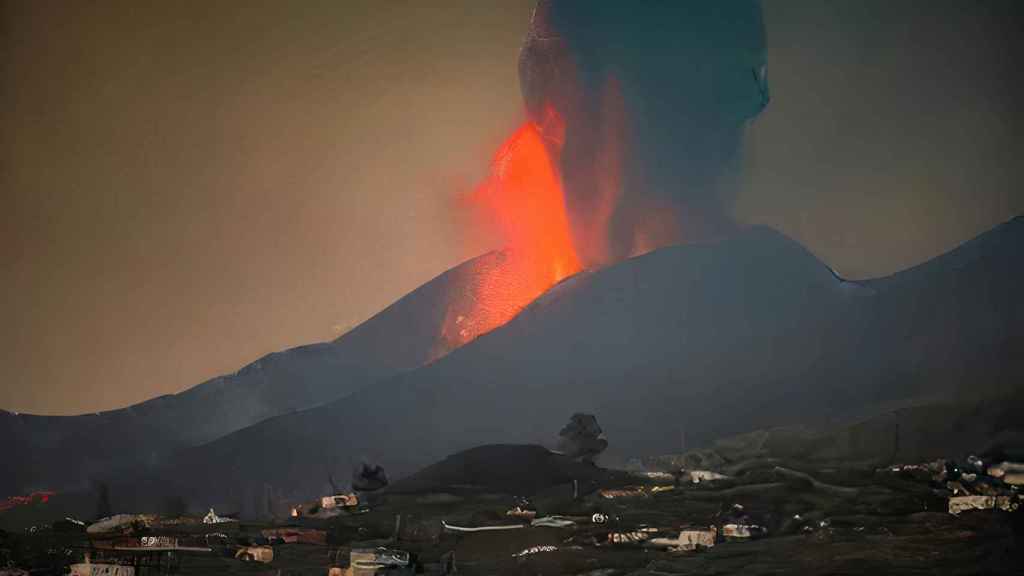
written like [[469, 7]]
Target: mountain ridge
[[760, 298], [690, 341]]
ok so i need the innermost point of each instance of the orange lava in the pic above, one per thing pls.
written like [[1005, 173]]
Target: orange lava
[[523, 197]]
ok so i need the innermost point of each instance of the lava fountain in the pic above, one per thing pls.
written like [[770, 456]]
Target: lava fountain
[[522, 196]]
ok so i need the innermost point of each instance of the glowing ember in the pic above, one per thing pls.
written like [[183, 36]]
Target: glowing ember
[[524, 198]]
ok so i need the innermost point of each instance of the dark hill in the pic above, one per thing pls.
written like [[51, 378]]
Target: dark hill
[[521, 469]]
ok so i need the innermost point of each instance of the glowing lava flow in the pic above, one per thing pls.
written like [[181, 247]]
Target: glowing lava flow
[[524, 197]]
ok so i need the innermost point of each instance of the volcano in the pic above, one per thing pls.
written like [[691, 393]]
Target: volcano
[[523, 196], [695, 342]]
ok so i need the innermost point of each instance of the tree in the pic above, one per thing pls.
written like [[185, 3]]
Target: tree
[[582, 438]]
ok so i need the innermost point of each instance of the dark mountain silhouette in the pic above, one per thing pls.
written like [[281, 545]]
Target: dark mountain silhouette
[[68, 452], [698, 341]]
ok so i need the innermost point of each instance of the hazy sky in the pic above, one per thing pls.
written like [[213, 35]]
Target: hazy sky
[[190, 185]]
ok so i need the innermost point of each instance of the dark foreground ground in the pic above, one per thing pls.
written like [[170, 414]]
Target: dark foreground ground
[[818, 518]]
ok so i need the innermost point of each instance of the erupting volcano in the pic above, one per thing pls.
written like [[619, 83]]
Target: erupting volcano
[[523, 198]]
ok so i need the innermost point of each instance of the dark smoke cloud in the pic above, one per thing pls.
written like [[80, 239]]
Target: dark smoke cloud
[[654, 97]]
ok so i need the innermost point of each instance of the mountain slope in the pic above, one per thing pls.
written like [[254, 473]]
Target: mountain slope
[[62, 452], [694, 341], [957, 318], [685, 344]]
